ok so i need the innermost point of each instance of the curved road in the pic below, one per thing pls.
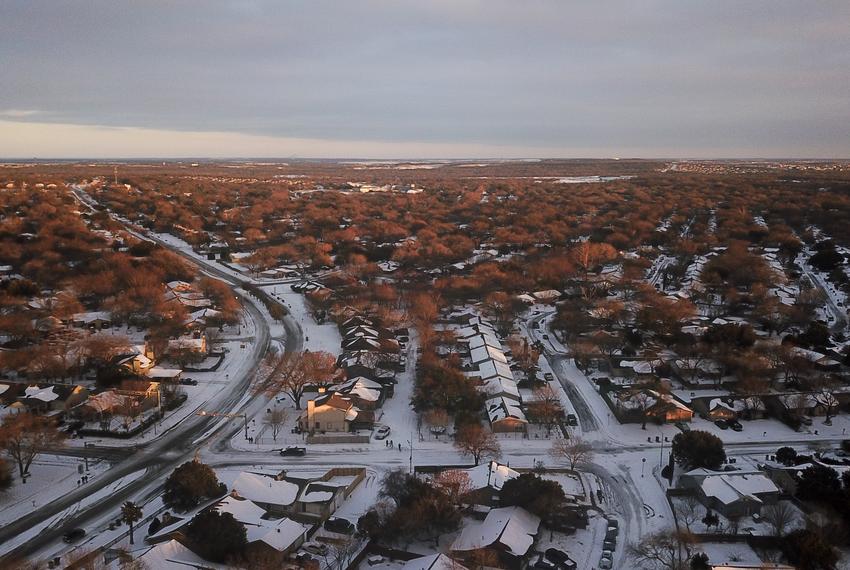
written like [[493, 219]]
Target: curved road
[[160, 456]]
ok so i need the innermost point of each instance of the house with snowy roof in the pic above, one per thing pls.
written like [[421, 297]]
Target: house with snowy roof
[[505, 415], [365, 393], [52, 399], [508, 533], [732, 494], [501, 387], [331, 412], [485, 481], [437, 561], [272, 495]]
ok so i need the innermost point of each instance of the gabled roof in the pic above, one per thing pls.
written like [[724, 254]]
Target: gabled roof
[[513, 528], [437, 561], [265, 490], [499, 409], [491, 474]]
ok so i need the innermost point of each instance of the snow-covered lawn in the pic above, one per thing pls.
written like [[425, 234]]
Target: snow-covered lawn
[[51, 476]]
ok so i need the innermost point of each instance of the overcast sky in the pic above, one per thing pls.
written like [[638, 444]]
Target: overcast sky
[[453, 78]]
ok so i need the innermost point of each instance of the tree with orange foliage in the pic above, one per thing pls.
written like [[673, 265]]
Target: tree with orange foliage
[[474, 440]]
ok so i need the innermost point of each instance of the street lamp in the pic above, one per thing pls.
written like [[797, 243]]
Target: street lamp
[[642, 465]]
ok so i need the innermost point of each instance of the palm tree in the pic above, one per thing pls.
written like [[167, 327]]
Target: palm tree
[[131, 514]]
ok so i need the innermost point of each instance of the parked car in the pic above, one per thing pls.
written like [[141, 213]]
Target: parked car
[[339, 526], [317, 548], [683, 426], [722, 424], [605, 563], [375, 559], [548, 377], [293, 451], [572, 420], [609, 545], [736, 425], [382, 432], [545, 337], [73, 535], [188, 382], [557, 556], [613, 523]]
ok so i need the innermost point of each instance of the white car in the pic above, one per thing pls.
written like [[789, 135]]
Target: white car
[[382, 432]]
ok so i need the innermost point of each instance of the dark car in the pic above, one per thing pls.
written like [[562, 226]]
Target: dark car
[[188, 382], [736, 425], [572, 420], [293, 451], [339, 526], [722, 424], [73, 535], [548, 376], [613, 523], [609, 545], [557, 556]]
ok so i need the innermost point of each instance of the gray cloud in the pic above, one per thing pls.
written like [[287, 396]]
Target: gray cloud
[[658, 75]]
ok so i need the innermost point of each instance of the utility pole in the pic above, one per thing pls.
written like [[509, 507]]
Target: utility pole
[[410, 443], [226, 415], [115, 172]]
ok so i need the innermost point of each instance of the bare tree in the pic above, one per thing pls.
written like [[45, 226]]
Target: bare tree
[[665, 550], [292, 372], [474, 440], [276, 420], [574, 450], [340, 554], [780, 516], [24, 436], [687, 511], [826, 399]]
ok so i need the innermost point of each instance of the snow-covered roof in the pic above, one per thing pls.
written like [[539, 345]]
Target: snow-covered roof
[[729, 487], [106, 401], [437, 561], [280, 534], [640, 366], [491, 474], [157, 372], [512, 527], [43, 394], [172, 555], [499, 409], [265, 490], [491, 368], [484, 353], [243, 510], [483, 339], [500, 386]]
